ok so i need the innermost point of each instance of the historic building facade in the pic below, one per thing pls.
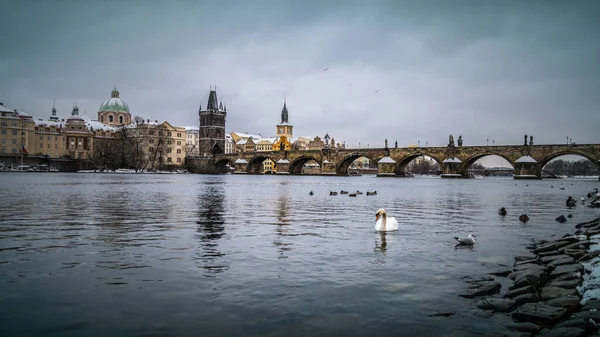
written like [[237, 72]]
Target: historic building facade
[[211, 139]]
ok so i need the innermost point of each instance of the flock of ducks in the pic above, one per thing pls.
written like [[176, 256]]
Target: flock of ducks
[[383, 223], [348, 193]]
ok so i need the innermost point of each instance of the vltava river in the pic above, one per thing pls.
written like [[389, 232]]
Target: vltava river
[[232, 255]]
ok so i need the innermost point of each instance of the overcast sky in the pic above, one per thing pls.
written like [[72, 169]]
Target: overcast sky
[[362, 71]]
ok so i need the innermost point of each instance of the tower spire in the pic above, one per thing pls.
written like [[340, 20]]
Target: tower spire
[[53, 116], [284, 112]]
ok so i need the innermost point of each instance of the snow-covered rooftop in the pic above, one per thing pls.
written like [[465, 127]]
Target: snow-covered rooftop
[[387, 159], [240, 161], [526, 159], [283, 161], [5, 109], [452, 160], [39, 122]]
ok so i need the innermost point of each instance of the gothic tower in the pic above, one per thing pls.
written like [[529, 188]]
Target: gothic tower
[[211, 139], [284, 128]]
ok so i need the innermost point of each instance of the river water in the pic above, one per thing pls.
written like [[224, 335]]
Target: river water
[[235, 255]]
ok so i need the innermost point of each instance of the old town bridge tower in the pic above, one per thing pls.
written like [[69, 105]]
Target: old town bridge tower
[[211, 138]]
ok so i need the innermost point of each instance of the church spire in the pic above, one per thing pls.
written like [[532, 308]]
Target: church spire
[[284, 113], [54, 117]]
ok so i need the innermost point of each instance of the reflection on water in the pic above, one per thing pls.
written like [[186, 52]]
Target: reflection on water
[[282, 229], [211, 226], [382, 244], [174, 255]]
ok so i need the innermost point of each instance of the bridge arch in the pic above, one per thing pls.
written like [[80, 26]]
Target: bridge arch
[[221, 165], [255, 164], [401, 163], [545, 160], [298, 163], [342, 167], [464, 167]]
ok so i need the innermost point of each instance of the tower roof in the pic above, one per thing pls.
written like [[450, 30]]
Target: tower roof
[[284, 113], [213, 102]]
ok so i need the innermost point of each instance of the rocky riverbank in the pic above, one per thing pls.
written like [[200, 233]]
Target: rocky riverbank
[[553, 291]]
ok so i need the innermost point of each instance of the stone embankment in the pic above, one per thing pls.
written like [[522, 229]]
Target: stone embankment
[[555, 290]]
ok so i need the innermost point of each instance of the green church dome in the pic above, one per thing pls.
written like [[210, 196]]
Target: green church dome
[[114, 103]]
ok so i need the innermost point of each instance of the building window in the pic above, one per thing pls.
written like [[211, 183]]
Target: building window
[[179, 160], [168, 150], [41, 146], [49, 137], [41, 137], [3, 131], [102, 119], [3, 140], [120, 119], [14, 150], [14, 141], [110, 119], [151, 141], [179, 134], [178, 142], [169, 133], [14, 132], [178, 150]]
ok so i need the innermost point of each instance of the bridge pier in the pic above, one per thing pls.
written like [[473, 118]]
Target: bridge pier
[[386, 167], [451, 168], [282, 166], [526, 168], [328, 168], [240, 166]]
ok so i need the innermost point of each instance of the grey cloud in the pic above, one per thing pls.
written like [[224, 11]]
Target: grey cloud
[[402, 70]]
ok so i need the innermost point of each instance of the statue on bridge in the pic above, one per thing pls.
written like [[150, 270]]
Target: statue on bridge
[[460, 140], [386, 146], [525, 141], [530, 140], [396, 145], [451, 141]]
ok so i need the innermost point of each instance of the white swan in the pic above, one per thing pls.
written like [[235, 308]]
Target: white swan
[[469, 240], [383, 223]]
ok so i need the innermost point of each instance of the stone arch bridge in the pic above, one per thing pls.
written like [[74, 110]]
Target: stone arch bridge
[[528, 160]]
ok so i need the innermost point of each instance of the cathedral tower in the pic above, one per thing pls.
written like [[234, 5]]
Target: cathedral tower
[[211, 139]]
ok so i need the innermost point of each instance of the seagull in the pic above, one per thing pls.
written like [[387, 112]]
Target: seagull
[[469, 240], [325, 69]]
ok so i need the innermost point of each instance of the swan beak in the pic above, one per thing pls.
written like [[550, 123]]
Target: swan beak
[[376, 217]]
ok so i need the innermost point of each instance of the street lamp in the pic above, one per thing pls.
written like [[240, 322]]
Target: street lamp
[[493, 142], [419, 142], [488, 142], [359, 145]]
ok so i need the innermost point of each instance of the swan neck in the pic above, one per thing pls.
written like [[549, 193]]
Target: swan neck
[[383, 220]]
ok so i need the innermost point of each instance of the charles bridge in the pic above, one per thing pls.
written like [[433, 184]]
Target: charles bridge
[[528, 160]]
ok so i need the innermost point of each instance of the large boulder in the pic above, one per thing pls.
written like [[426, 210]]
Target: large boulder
[[496, 304], [549, 293], [566, 269], [538, 313]]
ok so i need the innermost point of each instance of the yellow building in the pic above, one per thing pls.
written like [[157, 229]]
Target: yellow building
[[17, 132]]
